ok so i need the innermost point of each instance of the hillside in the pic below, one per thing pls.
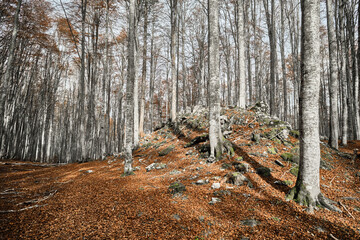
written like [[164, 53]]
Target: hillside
[[240, 197]]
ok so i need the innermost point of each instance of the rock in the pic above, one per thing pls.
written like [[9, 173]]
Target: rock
[[198, 139], [263, 171], [201, 182], [137, 168], [279, 163], [176, 217], [250, 222], [222, 193], [242, 167], [166, 151], [174, 172], [215, 186], [295, 133], [226, 166], [238, 179], [255, 137], [289, 157], [214, 200], [201, 218], [285, 183], [155, 166], [272, 150], [260, 107], [239, 159], [177, 187]]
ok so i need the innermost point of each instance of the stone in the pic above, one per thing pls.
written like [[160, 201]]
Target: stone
[[166, 151], [176, 217], [255, 137], [289, 157], [279, 163], [242, 167], [226, 166], [215, 186], [155, 166], [272, 150], [236, 178], [214, 200], [177, 187], [174, 172], [263, 171], [201, 182], [250, 222]]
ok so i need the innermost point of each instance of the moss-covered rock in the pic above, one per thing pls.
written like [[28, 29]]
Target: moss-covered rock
[[177, 187], [294, 171], [272, 150], [295, 133], [263, 171], [166, 151], [226, 166], [289, 157], [197, 140]]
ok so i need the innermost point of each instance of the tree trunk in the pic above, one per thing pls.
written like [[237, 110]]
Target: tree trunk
[[334, 117], [215, 134], [130, 90], [143, 77], [307, 188], [241, 55], [173, 56]]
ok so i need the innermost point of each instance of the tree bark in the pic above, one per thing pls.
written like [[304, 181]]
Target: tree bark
[[307, 188], [215, 134]]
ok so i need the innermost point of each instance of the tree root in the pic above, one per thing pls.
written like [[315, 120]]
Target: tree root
[[304, 198]]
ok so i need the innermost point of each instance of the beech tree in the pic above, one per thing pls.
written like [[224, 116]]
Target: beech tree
[[130, 89], [215, 134], [307, 188]]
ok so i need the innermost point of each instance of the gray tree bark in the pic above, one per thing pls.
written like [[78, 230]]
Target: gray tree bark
[[307, 188], [215, 134], [334, 82], [241, 55], [173, 57]]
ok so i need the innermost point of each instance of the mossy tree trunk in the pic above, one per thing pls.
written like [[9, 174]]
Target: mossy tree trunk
[[307, 189]]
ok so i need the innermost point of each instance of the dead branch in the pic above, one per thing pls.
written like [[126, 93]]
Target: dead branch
[[346, 209]]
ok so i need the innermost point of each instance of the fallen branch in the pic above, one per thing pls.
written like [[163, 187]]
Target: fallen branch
[[346, 209], [22, 209], [38, 200], [333, 237]]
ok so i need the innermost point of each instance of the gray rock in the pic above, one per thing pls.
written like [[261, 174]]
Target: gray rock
[[176, 217], [155, 166], [255, 137], [174, 172], [236, 178], [215, 186], [250, 222], [201, 182], [214, 200], [279, 163], [242, 167]]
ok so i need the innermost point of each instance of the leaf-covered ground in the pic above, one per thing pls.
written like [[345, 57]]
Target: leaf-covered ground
[[93, 201]]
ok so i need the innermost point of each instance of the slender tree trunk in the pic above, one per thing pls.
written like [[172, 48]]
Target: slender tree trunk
[[343, 57], [241, 55], [215, 134], [5, 81], [130, 89], [334, 116], [283, 67], [143, 77], [173, 56]]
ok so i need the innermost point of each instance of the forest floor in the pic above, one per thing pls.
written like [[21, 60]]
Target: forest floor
[[94, 201]]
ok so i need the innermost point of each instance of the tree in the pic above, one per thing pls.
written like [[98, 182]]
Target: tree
[[173, 6], [241, 55], [334, 117], [130, 90], [215, 134], [307, 189]]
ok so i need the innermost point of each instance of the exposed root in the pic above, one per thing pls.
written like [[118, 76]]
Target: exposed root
[[22, 209], [304, 198]]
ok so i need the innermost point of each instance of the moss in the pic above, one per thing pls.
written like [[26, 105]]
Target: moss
[[287, 157], [288, 182], [177, 187], [295, 133], [166, 151], [272, 150], [295, 171], [239, 159]]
